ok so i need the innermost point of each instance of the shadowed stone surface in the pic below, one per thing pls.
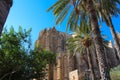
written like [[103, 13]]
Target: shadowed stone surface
[[4, 11]]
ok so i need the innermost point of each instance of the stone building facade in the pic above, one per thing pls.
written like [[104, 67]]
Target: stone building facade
[[55, 41], [5, 6]]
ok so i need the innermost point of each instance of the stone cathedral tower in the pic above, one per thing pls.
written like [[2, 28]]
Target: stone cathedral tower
[[55, 41]]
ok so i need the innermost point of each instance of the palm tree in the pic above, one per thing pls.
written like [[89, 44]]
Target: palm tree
[[61, 9], [83, 42], [107, 9], [5, 6]]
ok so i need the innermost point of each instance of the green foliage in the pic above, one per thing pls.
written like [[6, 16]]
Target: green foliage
[[82, 39], [62, 9], [115, 73], [17, 60], [12, 52], [77, 10]]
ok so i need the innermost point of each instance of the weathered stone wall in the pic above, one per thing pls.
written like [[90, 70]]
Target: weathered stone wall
[[55, 41], [4, 10], [52, 40]]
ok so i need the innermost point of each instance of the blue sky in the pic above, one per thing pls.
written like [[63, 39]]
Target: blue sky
[[32, 14]]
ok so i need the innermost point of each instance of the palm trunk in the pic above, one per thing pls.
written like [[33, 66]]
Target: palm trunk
[[90, 64], [104, 71], [114, 35]]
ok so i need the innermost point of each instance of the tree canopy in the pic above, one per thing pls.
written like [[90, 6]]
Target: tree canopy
[[18, 60]]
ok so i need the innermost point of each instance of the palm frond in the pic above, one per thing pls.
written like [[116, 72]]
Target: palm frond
[[53, 6], [62, 16]]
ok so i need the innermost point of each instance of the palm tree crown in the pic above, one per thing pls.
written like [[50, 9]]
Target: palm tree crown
[[92, 9]]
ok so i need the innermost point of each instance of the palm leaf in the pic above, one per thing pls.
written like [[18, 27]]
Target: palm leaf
[[63, 14]]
